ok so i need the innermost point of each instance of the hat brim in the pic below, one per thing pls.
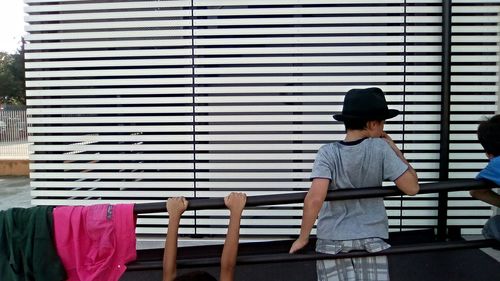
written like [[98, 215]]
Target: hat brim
[[391, 113]]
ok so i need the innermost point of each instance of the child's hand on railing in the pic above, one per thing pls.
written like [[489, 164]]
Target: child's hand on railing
[[176, 206], [235, 202]]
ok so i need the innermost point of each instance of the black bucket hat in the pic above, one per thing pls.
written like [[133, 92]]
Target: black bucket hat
[[365, 104]]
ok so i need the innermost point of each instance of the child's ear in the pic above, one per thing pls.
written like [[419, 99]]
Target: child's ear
[[490, 156], [372, 124]]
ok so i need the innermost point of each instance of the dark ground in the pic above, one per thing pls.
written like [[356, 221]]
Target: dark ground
[[456, 265]]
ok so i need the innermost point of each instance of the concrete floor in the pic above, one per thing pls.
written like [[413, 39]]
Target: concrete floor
[[14, 192]]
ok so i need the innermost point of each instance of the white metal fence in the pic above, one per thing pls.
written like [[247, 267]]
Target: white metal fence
[[13, 134]]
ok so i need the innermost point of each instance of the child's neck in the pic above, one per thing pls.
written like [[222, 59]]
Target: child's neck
[[354, 135]]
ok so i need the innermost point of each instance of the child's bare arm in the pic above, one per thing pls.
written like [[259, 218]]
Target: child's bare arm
[[408, 181], [312, 205], [487, 196], [175, 208], [235, 202]]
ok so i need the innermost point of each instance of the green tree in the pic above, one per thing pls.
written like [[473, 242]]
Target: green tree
[[12, 79]]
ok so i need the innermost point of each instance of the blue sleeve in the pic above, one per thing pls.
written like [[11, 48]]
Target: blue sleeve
[[394, 167], [491, 172], [322, 166]]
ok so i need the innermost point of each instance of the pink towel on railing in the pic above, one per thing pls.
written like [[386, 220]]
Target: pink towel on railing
[[95, 242]]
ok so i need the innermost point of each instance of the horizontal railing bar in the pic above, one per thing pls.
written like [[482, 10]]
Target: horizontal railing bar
[[334, 195], [285, 257]]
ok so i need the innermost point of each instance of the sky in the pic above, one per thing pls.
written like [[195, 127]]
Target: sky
[[11, 25]]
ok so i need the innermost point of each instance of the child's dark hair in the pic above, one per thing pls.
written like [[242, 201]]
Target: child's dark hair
[[195, 276], [356, 124], [488, 134]]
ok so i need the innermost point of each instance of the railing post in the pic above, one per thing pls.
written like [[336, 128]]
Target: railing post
[[445, 118]]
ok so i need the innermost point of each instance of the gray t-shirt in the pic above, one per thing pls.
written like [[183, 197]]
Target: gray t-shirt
[[363, 163]]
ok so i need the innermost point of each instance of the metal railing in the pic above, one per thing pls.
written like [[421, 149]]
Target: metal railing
[[343, 194], [13, 134]]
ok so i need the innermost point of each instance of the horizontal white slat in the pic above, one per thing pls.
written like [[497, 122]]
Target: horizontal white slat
[[269, 108], [111, 156], [114, 147], [110, 44], [267, 99], [462, 175], [111, 138], [107, 63], [109, 72], [299, 11], [300, 60], [256, 156], [234, 90], [107, 6], [475, 59], [474, 107], [112, 166], [472, 39], [86, 202], [469, 29], [248, 147], [262, 118], [110, 110], [114, 184], [108, 101], [107, 82], [474, 19], [106, 54], [472, 116], [295, 50], [295, 30], [218, 3], [266, 128], [467, 165], [473, 48], [474, 78], [280, 79], [294, 20], [474, 88], [113, 120], [423, 39], [253, 166], [463, 127], [108, 34], [472, 9], [111, 175], [254, 184], [109, 129], [298, 69], [201, 42], [103, 193], [110, 91], [107, 15], [173, 23], [473, 68], [326, 137], [466, 155]]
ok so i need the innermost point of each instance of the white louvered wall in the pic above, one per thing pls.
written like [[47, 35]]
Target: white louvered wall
[[136, 101]]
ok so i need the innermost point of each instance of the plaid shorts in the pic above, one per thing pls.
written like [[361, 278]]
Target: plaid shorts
[[353, 269]]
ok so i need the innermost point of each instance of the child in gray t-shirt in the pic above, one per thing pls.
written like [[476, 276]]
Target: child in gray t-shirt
[[365, 158]]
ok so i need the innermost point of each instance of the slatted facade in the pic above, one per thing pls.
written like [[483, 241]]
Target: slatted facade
[[136, 101]]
